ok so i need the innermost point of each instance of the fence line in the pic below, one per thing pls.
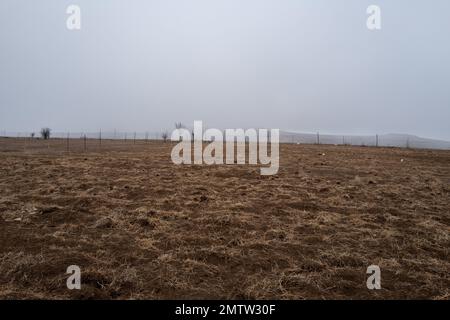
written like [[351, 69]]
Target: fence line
[[319, 139]]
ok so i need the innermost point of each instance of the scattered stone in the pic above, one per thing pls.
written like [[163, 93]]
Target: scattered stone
[[145, 211], [357, 180], [103, 223]]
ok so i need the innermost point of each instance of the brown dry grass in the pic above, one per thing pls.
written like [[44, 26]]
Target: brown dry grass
[[141, 227]]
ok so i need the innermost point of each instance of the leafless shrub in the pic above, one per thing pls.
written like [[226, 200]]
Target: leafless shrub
[[165, 136], [179, 125], [45, 133]]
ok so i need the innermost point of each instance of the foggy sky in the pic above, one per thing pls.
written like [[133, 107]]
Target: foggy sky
[[304, 65]]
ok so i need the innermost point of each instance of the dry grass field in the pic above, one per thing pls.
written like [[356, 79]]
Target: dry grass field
[[140, 227]]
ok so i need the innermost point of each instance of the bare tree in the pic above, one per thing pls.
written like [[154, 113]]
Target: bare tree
[[179, 125], [32, 135], [164, 136], [45, 133]]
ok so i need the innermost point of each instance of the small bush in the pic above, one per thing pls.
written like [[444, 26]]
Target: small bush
[[45, 133]]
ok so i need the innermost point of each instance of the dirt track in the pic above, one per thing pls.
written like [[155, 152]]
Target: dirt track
[[141, 227]]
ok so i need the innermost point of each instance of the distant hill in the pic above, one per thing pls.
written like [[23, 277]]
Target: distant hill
[[385, 140]]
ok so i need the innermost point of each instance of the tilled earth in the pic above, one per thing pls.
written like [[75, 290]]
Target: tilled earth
[[140, 227]]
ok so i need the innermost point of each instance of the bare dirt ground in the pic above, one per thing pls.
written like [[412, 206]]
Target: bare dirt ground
[[140, 227]]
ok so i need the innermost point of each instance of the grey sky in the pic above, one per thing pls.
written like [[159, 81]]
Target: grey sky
[[305, 65]]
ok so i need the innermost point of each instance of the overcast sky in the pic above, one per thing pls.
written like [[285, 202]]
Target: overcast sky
[[304, 65]]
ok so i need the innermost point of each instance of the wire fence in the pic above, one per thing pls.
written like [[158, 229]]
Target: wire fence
[[400, 141], [85, 140], [76, 141], [113, 135]]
